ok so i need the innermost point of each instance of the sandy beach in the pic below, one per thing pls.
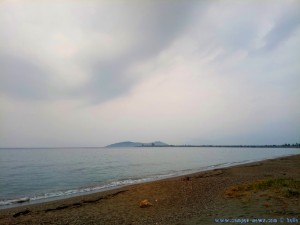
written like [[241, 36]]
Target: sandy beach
[[266, 190]]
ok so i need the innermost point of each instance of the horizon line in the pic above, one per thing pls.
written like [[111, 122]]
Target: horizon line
[[170, 145]]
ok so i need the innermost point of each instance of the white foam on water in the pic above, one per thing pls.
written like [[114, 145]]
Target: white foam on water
[[80, 191]]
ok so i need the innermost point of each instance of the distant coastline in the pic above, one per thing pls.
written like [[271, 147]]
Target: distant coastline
[[128, 144], [162, 144], [231, 146]]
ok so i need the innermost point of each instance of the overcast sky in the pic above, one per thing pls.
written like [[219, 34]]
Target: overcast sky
[[91, 73]]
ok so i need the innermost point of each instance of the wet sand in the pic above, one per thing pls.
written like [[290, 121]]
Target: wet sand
[[191, 199]]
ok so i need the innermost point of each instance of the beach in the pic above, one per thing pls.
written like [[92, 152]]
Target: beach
[[198, 198]]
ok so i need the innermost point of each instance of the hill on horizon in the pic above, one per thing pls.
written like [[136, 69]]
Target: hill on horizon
[[136, 144]]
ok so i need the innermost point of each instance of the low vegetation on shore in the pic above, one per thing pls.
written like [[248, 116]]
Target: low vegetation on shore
[[284, 187]]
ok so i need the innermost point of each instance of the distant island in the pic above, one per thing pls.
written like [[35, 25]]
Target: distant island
[[125, 144]]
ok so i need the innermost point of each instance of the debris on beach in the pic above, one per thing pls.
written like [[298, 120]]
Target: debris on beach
[[145, 203]]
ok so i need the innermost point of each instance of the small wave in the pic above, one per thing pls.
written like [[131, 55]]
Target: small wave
[[80, 191], [14, 201], [221, 165]]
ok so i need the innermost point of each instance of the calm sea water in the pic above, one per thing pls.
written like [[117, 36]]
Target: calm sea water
[[47, 174]]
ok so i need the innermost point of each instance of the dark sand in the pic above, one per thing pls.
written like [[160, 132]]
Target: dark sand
[[194, 199]]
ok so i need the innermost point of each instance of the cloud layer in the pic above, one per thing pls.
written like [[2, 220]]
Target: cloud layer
[[88, 74]]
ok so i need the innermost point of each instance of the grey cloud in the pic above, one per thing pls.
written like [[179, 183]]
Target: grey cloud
[[108, 81], [22, 79], [153, 24], [283, 29], [156, 25], [238, 34]]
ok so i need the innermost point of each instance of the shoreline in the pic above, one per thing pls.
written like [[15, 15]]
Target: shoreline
[[177, 200], [107, 187]]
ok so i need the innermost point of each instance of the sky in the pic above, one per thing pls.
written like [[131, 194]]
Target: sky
[[91, 73]]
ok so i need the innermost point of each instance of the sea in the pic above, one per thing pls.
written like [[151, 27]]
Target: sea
[[33, 175]]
